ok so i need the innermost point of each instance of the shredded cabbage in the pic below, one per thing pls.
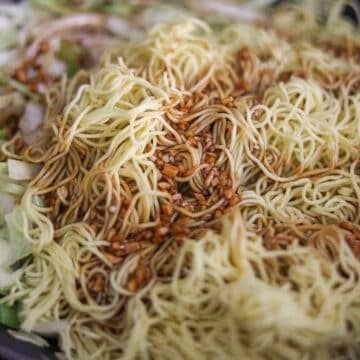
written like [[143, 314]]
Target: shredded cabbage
[[15, 20], [13, 247], [21, 170], [16, 225], [7, 278], [13, 244], [50, 328]]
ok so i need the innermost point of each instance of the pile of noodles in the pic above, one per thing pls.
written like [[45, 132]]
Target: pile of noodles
[[278, 276]]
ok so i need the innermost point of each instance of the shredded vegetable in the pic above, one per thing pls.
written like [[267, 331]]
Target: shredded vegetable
[[8, 315], [54, 6], [21, 170], [50, 328], [71, 54], [20, 87], [16, 225]]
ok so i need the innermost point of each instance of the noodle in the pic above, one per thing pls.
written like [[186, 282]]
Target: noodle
[[134, 243]]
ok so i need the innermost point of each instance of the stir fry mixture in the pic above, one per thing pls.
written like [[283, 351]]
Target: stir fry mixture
[[181, 180]]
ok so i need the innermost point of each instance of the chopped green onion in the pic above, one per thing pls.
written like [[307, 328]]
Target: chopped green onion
[[123, 10], [55, 6], [17, 85], [8, 316], [70, 53]]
